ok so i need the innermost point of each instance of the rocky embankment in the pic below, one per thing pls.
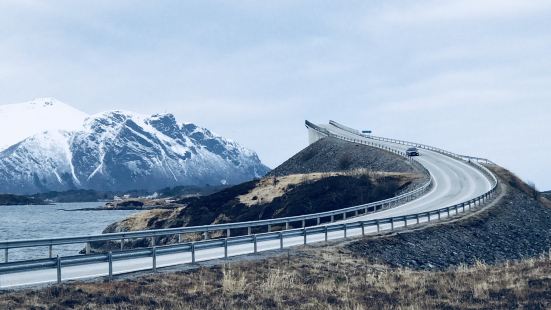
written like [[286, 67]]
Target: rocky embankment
[[141, 204], [518, 226]]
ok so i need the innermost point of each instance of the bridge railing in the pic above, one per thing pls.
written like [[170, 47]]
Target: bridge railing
[[412, 144]]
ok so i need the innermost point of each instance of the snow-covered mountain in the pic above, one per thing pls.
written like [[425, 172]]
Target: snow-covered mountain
[[21, 120], [121, 150]]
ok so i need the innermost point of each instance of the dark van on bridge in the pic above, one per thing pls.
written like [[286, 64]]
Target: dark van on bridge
[[412, 151]]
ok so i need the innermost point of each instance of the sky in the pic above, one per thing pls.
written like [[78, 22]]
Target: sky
[[470, 76]]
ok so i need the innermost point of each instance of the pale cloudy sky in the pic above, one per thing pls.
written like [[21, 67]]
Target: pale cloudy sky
[[471, 76]]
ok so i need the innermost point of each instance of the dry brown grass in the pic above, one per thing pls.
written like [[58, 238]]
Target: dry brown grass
[[270, 188], [313, 278], [140, 221]]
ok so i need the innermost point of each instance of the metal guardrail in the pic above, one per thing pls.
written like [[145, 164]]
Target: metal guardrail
[[249, 225], [391, 223], [408, 143]]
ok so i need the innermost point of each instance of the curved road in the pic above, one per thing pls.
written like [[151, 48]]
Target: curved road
[[455, 181]]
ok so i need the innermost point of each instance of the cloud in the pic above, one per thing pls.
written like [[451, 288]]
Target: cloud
[[456, 74], [463, 10]]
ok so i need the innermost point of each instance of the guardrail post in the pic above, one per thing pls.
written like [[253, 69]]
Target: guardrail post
[[428, 216], [225, 248], [249, 230], [269, 228], [255, 244], [286, 225], [344, 216], [439, 215], [455, 208], [378, 226], [363, 229], [448, 210], [280, 240], [325, 232], [50, 251], [463, 206], [5, 255], [193, 252], [206, 235], [417, 218], [154, 259], [318, 221], [58, 269], [405, 221], [305, 234], [391, 223], [179, 238], [87, 248], [303, 223], [152, 241], [332, 218], [366, 210], [345, 231], [122, 244], [356, 213], [110, 264]]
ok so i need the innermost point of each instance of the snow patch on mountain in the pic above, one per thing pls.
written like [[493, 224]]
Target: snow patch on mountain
[[21, 120]]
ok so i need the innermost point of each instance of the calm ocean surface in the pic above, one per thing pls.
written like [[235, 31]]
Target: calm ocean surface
[[25, 222]]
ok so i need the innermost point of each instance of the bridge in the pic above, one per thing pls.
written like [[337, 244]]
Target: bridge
[[458, 185]]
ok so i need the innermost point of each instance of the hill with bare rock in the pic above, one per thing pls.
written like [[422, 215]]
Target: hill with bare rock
[[332, 154], [299, 186]]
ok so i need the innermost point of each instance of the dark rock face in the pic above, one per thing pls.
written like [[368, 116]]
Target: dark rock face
[[12, 200], [118, 151], [130, 204], [518, 227]]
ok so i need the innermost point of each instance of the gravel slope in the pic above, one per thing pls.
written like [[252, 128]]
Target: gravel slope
[[518, 226]]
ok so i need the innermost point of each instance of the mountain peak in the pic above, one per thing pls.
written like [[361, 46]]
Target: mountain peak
[[25, 119], [46, 102]]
